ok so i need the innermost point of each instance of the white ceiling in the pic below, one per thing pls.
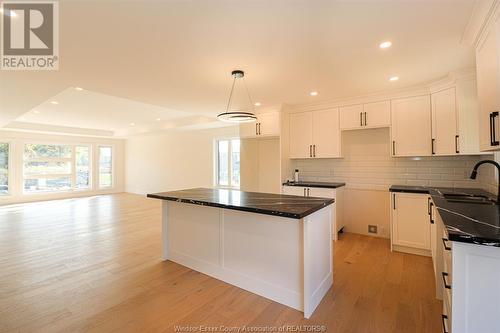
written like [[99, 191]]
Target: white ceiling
[[140, 59]]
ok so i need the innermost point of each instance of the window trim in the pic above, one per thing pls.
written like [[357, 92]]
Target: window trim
[[98, 173], [71, 175], [230, 160]]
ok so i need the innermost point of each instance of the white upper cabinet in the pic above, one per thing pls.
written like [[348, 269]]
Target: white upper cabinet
[[351, 117], [377, 114], [326, 133], [267, 124], [369, 115], [301, 135], [488, 85], [315, 134], [411, 126], [445, 139]]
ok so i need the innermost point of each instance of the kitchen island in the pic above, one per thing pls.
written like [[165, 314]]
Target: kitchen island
[[277, 246]]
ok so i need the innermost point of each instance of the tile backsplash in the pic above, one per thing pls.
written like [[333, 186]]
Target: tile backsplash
[[367, 164]]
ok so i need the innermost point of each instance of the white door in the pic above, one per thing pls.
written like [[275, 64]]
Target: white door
[[488, 87], [269, 123], [326, 133], [444, 122], [294, 190], [351, 117], [377, 114], [410, 221], [301, 135], [411, 126]]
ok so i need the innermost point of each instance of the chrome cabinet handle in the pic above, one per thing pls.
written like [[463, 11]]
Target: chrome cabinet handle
[[394, 148], [310, 151], [456, 144], [432, 146], [314, 150], [494, 141], [361, 119], [365, 119]]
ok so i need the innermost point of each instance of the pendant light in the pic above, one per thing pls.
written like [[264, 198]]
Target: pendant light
[[239, 107]]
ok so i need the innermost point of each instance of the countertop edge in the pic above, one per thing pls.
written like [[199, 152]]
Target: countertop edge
[[305, 184], [245, 209]]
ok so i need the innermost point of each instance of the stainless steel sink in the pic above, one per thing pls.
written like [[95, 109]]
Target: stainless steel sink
[[468, 198]]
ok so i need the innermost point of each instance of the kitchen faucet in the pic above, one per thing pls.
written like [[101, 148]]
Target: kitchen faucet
[[473, 175]]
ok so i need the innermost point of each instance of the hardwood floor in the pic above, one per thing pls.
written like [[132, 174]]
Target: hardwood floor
[[93, 265]]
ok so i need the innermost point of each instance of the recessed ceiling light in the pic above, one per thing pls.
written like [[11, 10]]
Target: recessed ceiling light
[[158, 119], [385, 45], [36, 112], [132, 124], [257, 104], [54, 102], [78, 88], [394, 78], [313, 93]]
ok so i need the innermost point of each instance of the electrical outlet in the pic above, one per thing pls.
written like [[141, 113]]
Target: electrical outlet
[[372, 229]]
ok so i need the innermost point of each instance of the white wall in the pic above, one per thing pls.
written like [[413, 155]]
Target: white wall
[[17, 140], [173, 160]]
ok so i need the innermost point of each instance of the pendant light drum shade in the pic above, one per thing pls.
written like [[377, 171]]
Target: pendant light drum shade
[[239, 106]]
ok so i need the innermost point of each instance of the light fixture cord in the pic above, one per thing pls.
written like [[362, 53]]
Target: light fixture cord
[[249, 97], [230, 94]]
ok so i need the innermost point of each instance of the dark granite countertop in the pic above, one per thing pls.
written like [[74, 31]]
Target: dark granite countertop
[[314, 184], [464, 222], [290, 206]]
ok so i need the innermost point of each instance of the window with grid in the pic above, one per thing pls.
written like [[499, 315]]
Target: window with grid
[[55, 167]]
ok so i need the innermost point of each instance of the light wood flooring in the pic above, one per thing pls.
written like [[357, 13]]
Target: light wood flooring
[[93, 265]]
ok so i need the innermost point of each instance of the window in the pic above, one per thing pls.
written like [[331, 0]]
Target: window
[[105, 167], [53, 168], [228, 163], [82, 162], [4, 168], [47, 168]]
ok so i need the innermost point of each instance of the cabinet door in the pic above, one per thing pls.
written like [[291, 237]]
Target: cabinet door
[[269, 123], [444, 122], [411, 126], [294, 190], [248, 130], [326, 133], [377, 114], [410, 221], [488, 85], [301, 135], [322, 192], [351, 117]]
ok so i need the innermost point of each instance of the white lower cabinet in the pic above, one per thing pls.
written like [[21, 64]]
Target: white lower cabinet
[[410, 223], [467, 280], [334, 193]]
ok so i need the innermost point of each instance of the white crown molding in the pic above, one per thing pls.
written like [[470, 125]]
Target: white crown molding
[[418, 90], [482, 14], [19, 126]]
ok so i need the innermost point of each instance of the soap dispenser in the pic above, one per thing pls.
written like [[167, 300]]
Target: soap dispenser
[[296, 176]]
